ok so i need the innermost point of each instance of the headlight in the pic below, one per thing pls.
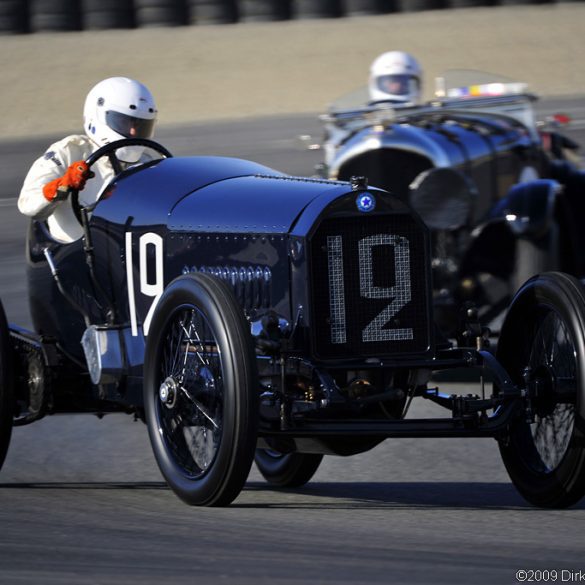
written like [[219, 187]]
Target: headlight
[[443, 198]]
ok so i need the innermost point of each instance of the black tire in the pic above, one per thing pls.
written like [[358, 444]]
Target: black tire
[[317, 8], [264, 10], [213, 12], [290, 470], [6, 387], [55, 15], [545, 331], [108, 20], [365, 7], [519, 2], [416, 5], [470, 3], [161, 12], [204, 433], [105, 14], [14, 16]]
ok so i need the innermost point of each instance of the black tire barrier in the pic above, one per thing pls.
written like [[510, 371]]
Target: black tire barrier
[[213, 11], [161, 12], [23, 16], [14, 16], [417, 5], [523, 2], [55, 15], [105, 14], [263, 10], [471, 3], [317, 9], [365, 7]]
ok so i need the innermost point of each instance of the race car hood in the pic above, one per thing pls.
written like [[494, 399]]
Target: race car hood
[[146, 194], [211, 194], [259, 203]]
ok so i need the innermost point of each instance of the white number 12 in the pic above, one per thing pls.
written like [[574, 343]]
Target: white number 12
[[399, 294]]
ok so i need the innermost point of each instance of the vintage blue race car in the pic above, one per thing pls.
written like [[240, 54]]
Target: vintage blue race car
[[245, 314], [501, 193]]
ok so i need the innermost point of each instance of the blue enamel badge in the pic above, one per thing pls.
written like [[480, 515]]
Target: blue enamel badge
[[365, 202]]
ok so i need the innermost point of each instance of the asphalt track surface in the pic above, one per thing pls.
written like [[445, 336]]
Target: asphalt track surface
[[82, 501]]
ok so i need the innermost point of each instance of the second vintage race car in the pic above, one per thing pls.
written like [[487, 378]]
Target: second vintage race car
[[247, 315], [468, 163]]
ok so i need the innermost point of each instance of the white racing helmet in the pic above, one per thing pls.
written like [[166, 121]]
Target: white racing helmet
[[118, 108], [395, 76]]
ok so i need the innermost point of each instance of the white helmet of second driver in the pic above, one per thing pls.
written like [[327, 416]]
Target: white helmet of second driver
[[116, 108], [395, 76]]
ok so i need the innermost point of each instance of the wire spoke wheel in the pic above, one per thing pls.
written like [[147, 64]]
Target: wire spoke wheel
[[553, 360], [542, 346], [200, 391], [190, 409]]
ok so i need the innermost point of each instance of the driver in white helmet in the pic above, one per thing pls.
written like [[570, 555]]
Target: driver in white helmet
[[395, 77], [115, 108]]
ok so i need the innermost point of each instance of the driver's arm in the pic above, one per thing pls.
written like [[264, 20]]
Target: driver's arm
[[51, 177], [74, 178]]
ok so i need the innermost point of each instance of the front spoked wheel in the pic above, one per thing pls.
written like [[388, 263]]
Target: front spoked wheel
[[542, 346], [200, 391]]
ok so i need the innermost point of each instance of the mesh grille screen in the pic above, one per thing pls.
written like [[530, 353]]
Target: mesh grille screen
[[369, 280]]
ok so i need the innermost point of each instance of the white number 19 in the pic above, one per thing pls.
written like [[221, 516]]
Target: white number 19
[[149, 289]]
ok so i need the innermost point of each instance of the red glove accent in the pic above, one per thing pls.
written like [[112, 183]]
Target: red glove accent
[[51, 191], [73, 179]]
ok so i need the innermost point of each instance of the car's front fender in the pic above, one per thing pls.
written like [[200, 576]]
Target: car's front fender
[[529, 208]]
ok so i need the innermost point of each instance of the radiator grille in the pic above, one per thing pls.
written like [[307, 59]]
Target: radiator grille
[[369, 287]]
